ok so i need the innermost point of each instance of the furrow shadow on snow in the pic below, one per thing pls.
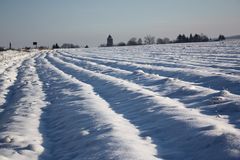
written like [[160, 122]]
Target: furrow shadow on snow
[[10, 94], [160, 118], [221, 104], [214, 81], [76, 130], [21, 106]]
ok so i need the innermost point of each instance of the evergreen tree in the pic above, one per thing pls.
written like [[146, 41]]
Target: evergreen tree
[[221, 37], [184, 38], [191, 38], [55, 46], [196, 38], [204, 38], [179, 38]]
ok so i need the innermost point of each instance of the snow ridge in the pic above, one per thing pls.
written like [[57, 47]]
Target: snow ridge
[[174, 101], [20, 121], [191, 94], [84, 120], [181, 119]]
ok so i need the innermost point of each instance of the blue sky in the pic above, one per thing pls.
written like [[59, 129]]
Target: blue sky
[[90, 21]]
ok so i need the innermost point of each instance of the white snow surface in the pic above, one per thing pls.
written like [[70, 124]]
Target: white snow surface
[[175, 101]]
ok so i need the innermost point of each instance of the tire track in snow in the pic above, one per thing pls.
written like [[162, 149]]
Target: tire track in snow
[[81, 125], [19, 123], [201, 97], [200, 136]]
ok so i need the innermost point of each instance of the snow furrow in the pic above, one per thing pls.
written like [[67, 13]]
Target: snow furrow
[[224, 69], [8, 75], [8, 58], [214, 55], [192, 95], [215, 66], [7, 79], [162, 118], [218, 59], [20, 137], [81, 125], [206, 76]]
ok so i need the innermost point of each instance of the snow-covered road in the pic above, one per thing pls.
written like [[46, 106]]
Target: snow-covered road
[[176, 101]]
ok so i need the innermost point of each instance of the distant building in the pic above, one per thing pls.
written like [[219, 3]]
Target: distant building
[[109, 41], [35, 44]]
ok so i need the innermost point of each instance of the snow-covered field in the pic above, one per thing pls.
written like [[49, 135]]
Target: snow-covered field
[[173, 102]]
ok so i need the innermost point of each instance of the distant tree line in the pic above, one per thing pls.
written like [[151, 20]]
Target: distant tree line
[[54, 46], [147, 40], [181, 38], [138, 41], [2, 49], [67, 45], [196, 38]]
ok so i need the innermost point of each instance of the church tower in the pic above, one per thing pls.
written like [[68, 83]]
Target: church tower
[[109, 41]]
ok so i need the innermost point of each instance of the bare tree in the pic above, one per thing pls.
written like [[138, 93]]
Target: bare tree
[[149, 39], [166, 40], [139, 41]]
